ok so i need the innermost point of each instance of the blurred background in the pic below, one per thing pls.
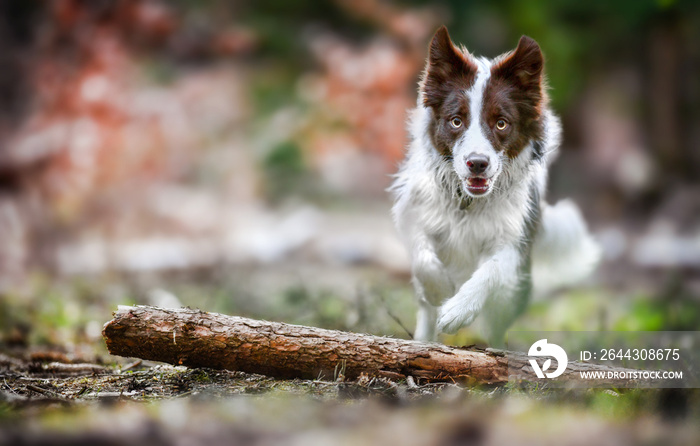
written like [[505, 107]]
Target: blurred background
[[233, 156]]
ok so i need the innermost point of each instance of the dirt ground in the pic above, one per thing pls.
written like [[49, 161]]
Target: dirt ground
[[46, 398]]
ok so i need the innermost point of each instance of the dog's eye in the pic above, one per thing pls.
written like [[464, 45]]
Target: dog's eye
[[456, 122], [501, 124]]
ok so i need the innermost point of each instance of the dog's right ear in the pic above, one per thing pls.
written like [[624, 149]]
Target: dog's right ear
[[447, 67]]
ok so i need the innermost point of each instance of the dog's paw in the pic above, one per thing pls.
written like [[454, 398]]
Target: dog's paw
[[455, 314], [434, 279]]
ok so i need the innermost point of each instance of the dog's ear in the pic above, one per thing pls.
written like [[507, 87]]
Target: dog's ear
[[447, 67], [523, 66]]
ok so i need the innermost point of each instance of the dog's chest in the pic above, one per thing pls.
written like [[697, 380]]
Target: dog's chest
[[468, 237]]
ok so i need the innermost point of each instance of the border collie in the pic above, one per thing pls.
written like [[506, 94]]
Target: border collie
[[469, 197]]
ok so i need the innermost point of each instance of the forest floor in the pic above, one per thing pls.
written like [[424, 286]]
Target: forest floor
[[58, 385], [46, 398]]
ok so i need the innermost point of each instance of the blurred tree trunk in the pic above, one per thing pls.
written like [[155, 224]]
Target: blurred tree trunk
[[673, 89], [664, 112]]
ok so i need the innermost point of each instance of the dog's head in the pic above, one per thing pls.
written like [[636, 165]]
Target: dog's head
[[484, 113]]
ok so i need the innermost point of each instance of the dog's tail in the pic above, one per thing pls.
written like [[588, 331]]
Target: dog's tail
[[564, 252]]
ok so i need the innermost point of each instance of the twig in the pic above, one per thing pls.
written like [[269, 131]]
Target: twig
[[132, 365], [392, 315], [41, 391]]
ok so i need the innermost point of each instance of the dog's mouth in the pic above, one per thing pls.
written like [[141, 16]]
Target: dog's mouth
[[477, 186]]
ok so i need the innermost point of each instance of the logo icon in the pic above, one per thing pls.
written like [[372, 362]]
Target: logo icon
[[542, 348]]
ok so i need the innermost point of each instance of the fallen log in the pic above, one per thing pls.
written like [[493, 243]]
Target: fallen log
[[198, 339], [195, 338]]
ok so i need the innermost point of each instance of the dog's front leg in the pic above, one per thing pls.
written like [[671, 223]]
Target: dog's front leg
[[426, 321], [497, 276], [432, 285], [431, 276]]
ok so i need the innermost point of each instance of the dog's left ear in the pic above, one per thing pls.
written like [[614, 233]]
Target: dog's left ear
[[523, 66]]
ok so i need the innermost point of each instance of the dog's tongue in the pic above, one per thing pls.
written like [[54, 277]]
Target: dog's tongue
[[477, 182]]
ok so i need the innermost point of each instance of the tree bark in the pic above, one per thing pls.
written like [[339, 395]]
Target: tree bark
[[195, 338]]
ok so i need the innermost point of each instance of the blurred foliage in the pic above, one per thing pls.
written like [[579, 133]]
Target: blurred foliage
[[579, 38], [285, 170], [68, 313], [676, 315], [59, 313]]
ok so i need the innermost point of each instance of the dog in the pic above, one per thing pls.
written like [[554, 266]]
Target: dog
[[469, 196]]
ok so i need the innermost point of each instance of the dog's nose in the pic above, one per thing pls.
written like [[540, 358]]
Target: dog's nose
[[477, 163]]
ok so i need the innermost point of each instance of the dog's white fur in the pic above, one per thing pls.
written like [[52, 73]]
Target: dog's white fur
[[471, 256]]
